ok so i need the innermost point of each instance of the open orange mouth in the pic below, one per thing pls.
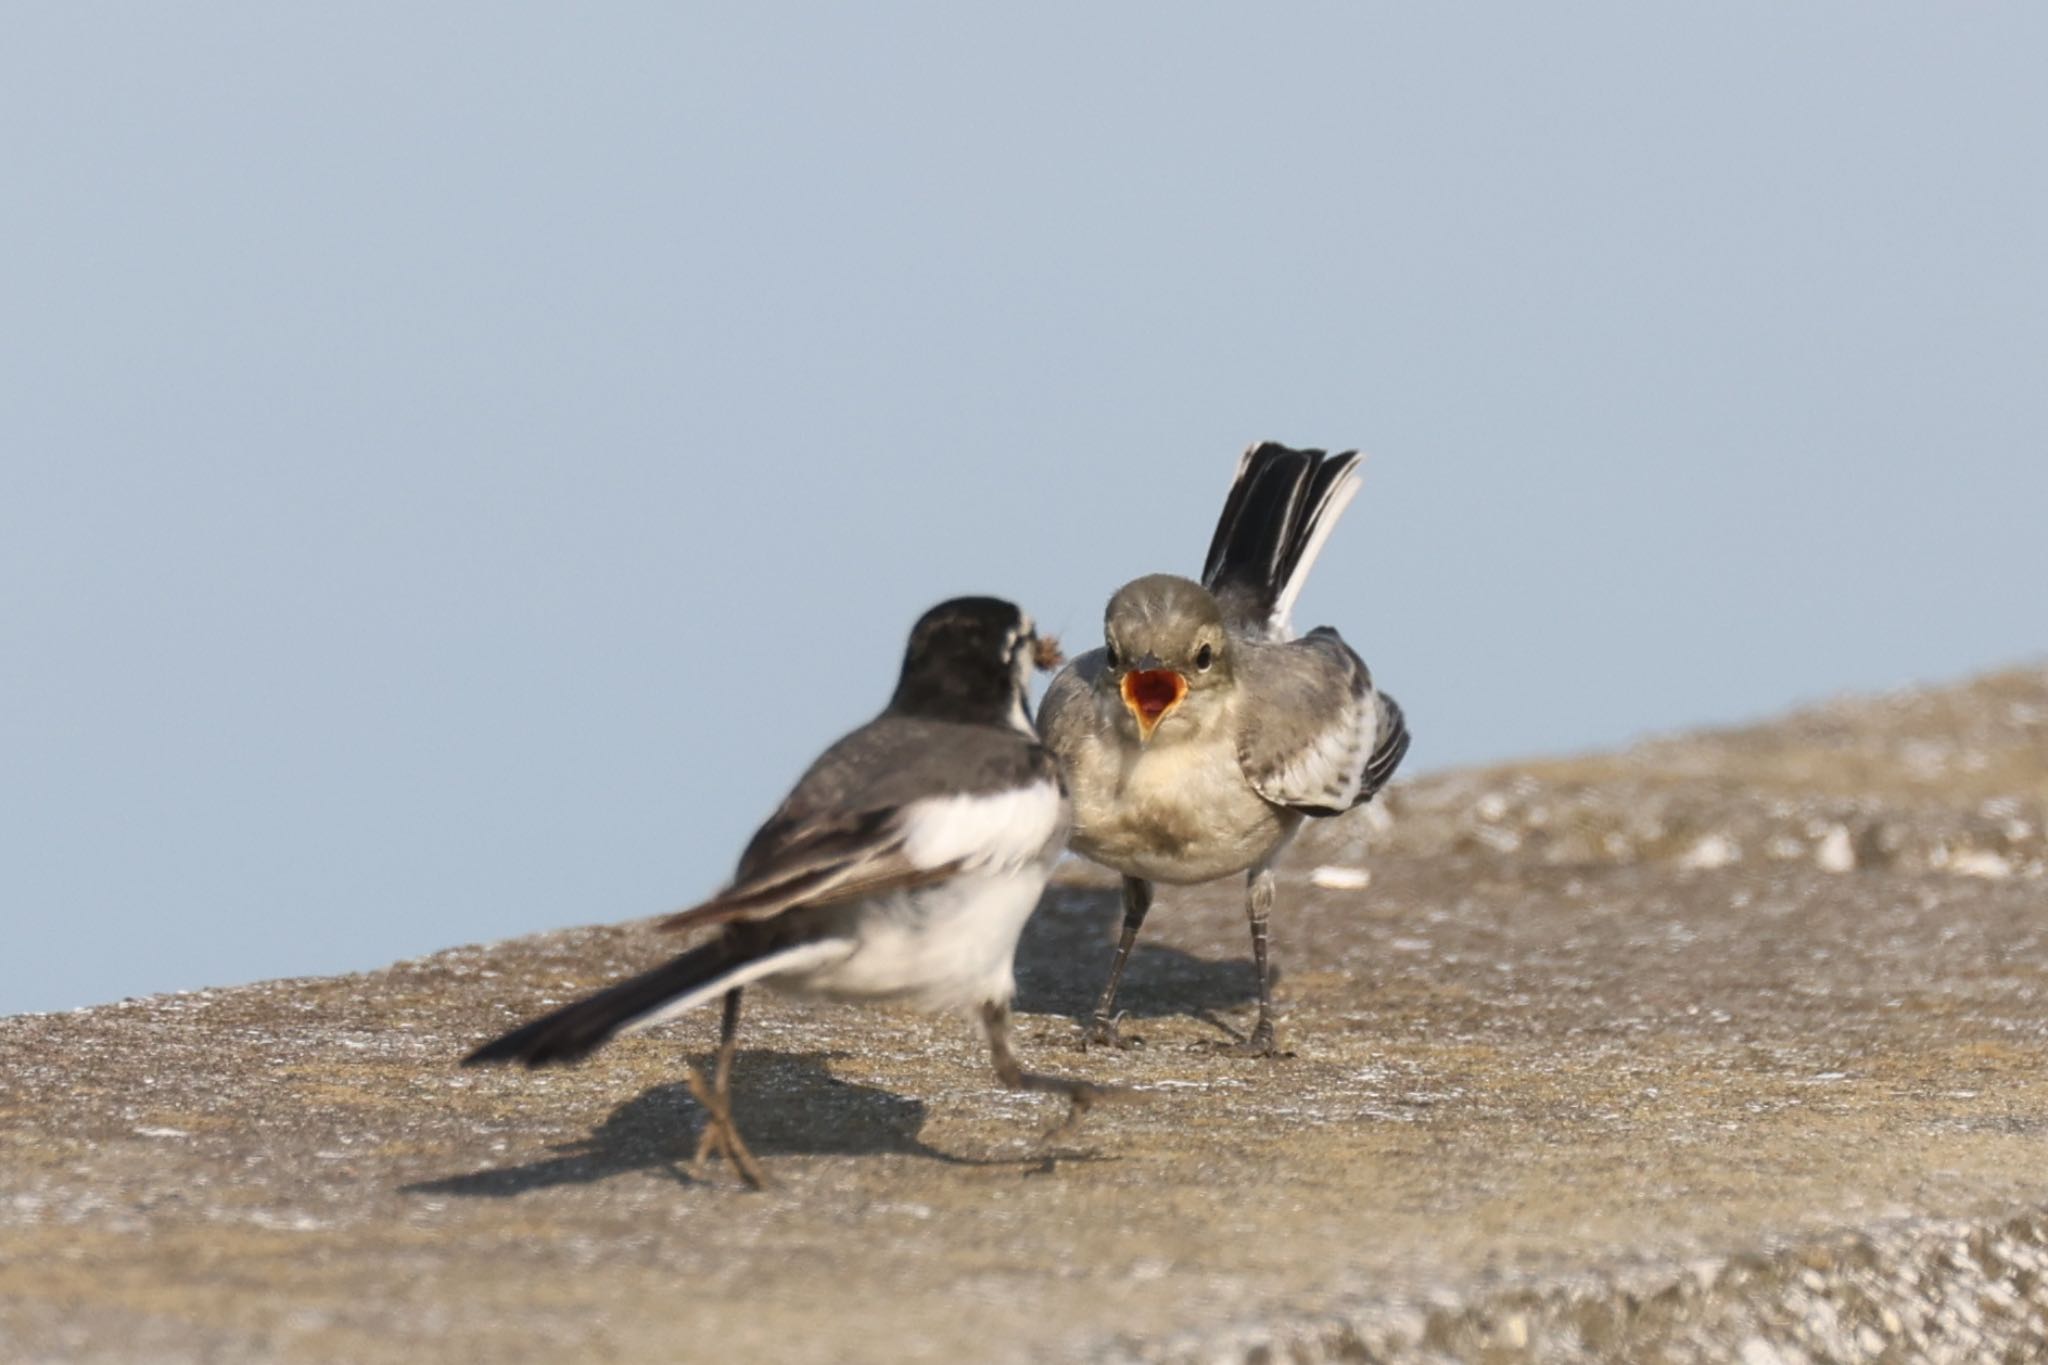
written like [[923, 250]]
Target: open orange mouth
[[1151, 695]]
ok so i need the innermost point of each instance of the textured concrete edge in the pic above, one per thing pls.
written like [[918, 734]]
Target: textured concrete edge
[[1917, 1289]]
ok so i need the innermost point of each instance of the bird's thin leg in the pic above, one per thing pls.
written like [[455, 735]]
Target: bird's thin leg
[[1102, 1029], [720, 1133], [1258, 903], [1081, 1095], [728, 1048], [713, 1137]]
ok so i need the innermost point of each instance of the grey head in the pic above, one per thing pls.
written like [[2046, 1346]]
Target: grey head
[[1166, 658]]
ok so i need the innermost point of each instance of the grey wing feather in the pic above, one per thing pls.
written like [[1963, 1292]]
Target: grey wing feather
[[1316, 737], [1067, 717]]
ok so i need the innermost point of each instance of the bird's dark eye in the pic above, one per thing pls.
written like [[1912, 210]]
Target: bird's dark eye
[[1109, 655], [1204, 657]]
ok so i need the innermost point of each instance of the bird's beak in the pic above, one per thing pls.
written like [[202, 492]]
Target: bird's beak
[[1151, 694], [1045, 652]]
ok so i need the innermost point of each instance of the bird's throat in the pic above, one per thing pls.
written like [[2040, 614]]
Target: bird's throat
[[1151, 695]]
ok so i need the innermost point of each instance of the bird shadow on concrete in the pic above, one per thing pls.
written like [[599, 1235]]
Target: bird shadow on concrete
[[1063, 961], [786, 1103]]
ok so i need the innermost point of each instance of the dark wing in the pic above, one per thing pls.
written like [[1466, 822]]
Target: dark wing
[[899, 803], [823, 861], [1389, 748], [1315, 736]]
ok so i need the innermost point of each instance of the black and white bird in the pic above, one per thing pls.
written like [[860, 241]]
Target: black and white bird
[[901, 868], [1202, 734]]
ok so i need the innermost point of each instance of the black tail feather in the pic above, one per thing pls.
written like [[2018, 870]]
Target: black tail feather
[[575, 1031], [1268, 521]]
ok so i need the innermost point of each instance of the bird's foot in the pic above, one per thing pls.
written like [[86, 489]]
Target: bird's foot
[[1082, 1096], [1261, 1044], [1103, 1031], [1255, 1047], [721, 1136]]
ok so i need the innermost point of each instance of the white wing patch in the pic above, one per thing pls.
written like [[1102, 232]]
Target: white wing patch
[[1281, 622], [1326, 773], [1009, 829]]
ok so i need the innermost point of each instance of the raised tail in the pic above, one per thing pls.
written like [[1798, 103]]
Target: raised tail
[[710, 969], [1281, 509]]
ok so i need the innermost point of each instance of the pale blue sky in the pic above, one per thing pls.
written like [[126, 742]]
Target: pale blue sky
[[458, 462]]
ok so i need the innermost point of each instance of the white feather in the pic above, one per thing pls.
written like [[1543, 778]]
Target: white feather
[[805, 957], [1329, 770], [1022, 666], [1282, 619], [946, 946], [996, 830], [939, 946]]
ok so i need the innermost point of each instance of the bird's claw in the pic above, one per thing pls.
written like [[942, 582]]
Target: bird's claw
[[1103, 1031], [721, 1136], [1082, 1096], [1261, 1043], [1255, 1047]]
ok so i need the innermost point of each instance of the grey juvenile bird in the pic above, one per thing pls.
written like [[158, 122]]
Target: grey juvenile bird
[[1203, 733], [901, 868]]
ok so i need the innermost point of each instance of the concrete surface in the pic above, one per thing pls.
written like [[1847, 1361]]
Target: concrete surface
[[1728, 1047]]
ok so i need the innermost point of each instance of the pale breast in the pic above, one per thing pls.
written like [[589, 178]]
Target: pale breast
[[941, 947], [1175, 813]]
